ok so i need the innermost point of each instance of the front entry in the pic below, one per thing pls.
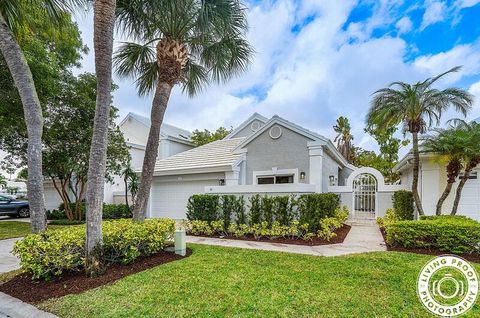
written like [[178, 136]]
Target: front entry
[[364, 197]]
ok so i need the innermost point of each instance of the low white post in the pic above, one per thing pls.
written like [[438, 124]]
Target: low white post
[[180, 242]]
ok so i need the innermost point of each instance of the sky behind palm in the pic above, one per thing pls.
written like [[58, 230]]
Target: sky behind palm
[[320, 59]]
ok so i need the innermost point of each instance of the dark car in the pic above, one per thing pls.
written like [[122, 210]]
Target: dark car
[[13, 207]]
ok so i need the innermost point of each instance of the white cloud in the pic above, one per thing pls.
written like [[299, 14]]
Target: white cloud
[[466, 3], [475, 91], [435, 11], [404, 25]]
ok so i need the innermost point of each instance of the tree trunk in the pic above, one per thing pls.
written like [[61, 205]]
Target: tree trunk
[[159, 105], [22, 76], [443, 197], [104, 20], [416, 167], [125, 179], [458, 193]]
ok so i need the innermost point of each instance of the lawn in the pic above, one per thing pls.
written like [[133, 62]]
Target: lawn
[[11, 229], [228, 282]]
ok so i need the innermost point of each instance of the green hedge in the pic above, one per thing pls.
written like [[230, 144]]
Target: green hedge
[[53, 252], [308, 209], [403, 204], [446, 233], [110, 211]]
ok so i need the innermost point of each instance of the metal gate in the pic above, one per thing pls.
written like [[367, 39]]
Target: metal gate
[[364, 196]]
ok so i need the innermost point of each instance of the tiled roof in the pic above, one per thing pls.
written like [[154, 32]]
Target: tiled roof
[[166, 129], [215, 154]]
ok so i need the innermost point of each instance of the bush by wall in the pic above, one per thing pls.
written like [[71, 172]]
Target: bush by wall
[[110, 211], [255, 209], [203, 207], [51, 253], [403, 204], [314, 207], [446, 233]]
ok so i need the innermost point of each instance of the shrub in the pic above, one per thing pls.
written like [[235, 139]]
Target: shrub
[[203, 207], [284, 209], [110, 211], [389, 218], [267, 209], [56, 215], [449, 234], [403, 204], [239, 211], [51, 253], [65, 222], [228, 205], [197, 227], [314, 207], [255, 210]]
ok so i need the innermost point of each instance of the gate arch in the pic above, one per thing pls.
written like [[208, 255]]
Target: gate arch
[[364, 201]]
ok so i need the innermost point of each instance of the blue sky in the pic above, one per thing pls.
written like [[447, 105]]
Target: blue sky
[[319, 59]]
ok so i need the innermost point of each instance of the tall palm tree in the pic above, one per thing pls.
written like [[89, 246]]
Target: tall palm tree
[[471, 158], [187, 42], [344, 138], [449, 145], [12, 18], [103, 27], [417, 106]]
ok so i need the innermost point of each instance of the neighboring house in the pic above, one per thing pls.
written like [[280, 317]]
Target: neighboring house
[[432, 181], [135, 129], [262, 155]]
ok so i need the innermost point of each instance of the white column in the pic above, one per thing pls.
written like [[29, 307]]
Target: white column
[[316, 164], [231, 177]]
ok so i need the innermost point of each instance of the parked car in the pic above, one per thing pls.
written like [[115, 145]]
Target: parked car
[[13, 207]]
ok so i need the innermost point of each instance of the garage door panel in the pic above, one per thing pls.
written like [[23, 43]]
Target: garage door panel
[[469, 204], [169, 199]]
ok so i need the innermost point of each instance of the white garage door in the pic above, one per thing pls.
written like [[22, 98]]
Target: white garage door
[[470, 200], [169, 199]]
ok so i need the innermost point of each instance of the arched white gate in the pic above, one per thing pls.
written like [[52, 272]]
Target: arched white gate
[[365, 196]]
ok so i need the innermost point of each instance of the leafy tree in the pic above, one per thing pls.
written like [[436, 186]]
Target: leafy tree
[[67, 134], [344, 138], [200, 138], [17, 18], [417, 106], [23, 174], [3, 182], [103, 25], [188, 42], [449, 145]]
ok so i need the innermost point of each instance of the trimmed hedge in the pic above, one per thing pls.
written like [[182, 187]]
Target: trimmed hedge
[[403, 204], [314, 207], [51, 253], [446, 233], [110, 211], [204, 207]]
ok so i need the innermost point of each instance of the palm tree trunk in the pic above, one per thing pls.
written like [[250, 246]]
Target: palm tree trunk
[[22, 76], [104, 20], [159, 105], [126, 192], [416, 167], [443, 197], [458, 193]]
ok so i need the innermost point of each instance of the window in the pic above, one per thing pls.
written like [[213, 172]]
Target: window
[[4, 199], [275, 179], [472, 176]]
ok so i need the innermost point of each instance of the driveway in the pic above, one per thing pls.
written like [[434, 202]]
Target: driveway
[[8, 262], [7, 218]]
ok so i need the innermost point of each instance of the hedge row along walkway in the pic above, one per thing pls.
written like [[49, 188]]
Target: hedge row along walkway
[[362, 238]]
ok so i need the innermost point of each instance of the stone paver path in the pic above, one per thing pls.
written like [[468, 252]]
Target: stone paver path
[[361, 238], [8, 262]]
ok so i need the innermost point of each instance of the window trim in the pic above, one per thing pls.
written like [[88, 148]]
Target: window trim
[[275, 172], [473, 175]]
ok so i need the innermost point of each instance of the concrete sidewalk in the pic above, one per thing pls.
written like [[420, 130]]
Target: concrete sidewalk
[[362, 238], [15, 308], [8, 262]]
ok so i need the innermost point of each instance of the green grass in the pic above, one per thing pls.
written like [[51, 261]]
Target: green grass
[[11, 229], [228, 282]]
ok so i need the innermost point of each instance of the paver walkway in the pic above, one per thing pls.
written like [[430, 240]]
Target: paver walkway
[[8, 262], [361, 238]]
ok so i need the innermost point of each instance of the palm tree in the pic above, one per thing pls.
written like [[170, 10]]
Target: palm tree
[[344, 138], [449, 145], [130, 179], [417, 106], [471, 158], [187, 42], [103, 27], [12, 18]]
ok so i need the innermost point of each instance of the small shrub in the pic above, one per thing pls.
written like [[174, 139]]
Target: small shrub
[[328, 227], [389, 218], [239, 211], [198, 227], [314, 207], [341, 214], [255, 210], [116, 211], [56, 214], [228, 205], [284, 209], [267, 209], [218, 227], [51, 253], [203, 207], [451, 234], [403, 204], [65, 222]]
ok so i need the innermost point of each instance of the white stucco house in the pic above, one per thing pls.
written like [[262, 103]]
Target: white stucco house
[[135, 129], [266, 156]]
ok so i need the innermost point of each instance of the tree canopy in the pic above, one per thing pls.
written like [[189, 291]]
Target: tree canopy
[[202, 137]]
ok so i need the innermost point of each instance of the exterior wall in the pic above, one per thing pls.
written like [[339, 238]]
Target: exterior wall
[[384, 202], [329, 168], [287, 152], [343, 175], [52, 198], [247, 130], [177, 147], [134, 132]]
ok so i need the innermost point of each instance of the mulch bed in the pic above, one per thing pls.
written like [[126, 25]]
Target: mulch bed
[[434, 252], [22, 286], [339, 238]]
